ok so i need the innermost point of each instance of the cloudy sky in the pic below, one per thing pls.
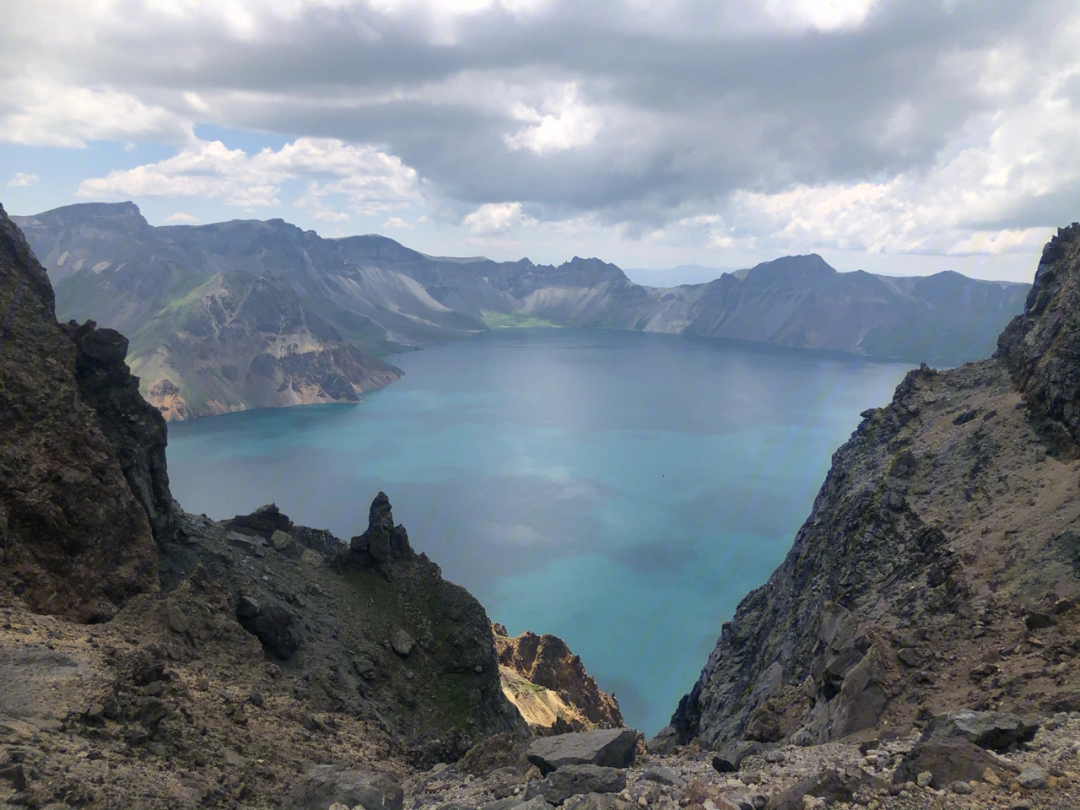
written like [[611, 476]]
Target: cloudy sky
[[899, 136]]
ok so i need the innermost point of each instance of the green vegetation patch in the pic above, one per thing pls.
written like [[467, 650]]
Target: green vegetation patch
[[499, 320]]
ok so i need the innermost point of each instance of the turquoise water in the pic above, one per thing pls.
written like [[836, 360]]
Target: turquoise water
[[623, 491]]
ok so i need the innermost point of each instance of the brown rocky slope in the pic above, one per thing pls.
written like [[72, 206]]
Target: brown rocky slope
[[74, 537], [549, 685], [940, 566]]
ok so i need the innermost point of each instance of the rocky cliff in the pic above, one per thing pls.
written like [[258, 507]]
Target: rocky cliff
[[80, 490], [238, 342], [939, 566], [109, 264], [209, 333], [549, 685]]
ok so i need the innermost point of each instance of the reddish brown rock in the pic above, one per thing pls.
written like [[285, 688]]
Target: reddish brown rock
[[546, 661]]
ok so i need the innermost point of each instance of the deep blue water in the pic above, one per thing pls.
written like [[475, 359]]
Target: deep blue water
[[623, 491]]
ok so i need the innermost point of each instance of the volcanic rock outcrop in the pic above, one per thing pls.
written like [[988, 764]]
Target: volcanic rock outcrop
[[938, 569], [80, 492], [549, 685]]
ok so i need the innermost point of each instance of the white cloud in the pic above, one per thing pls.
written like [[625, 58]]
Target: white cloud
[[181, 217], [330, 216], [567, 124], [370, 179], [978, 199], [21, 180], [43, 112], [492, 218], [397, 222], [819, 15], [195, 101]]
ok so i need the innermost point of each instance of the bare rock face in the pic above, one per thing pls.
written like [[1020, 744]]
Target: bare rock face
[[77, 509], [1042, 347], [938, 561], [136, 430], [568, 695], [606, 748], [383, 542]]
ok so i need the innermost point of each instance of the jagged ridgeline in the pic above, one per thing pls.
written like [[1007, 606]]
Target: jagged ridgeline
[[940, 566], [361, 642], [251, 314]]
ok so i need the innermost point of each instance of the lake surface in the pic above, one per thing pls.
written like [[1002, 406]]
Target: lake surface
[[623, 491]]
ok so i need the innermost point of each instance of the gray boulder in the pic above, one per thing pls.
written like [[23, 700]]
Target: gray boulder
[[949, 761], [608, 747], [325, 785], [663, 743], [730, 757], [664, 776], [985, 729], [574, 780], [833, 785]]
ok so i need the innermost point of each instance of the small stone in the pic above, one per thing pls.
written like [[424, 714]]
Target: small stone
[[1038, 621], [94, 712], [990, 777], [335, 805], [775, 756], [256, 697], [154, 689], [1033, 777], [282, 541], [962, 788], [401, 642], [233, 758], [138, 736], [665, 776], [924, 779]]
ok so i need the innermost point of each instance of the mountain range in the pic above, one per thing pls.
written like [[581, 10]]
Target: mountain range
[[249, 314]]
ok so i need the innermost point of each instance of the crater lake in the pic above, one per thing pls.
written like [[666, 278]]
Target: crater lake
[[622, 491]]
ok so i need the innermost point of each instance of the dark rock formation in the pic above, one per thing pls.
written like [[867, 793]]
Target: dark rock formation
[[992, 730], [135, 428], [731, 756], [941, 529], [382, 543], [76, 495], [573, 780], [263, 522], [949, 761], [1042, 347], [610, 748], [832, 786], [376, 632]]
